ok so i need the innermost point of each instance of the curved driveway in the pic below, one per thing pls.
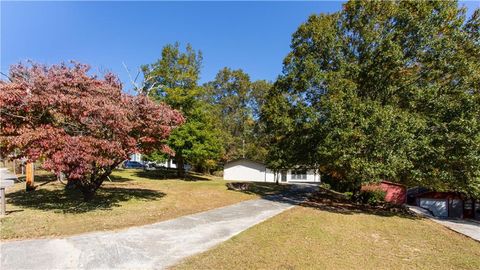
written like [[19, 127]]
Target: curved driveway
[[154, 246]]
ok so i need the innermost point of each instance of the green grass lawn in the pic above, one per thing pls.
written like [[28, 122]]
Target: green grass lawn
[[134, 197], [309, 238]]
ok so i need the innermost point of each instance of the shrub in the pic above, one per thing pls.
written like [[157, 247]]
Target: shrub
[[348, 195], [218, 173], [325, 185], [339, 185], [372, 197]]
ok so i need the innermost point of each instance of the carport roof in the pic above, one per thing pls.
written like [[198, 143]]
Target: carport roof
[[440, 195]]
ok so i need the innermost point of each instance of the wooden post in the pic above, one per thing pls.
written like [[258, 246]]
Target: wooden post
[[3, 206], [3, 185], [30, 185], [2, 158]]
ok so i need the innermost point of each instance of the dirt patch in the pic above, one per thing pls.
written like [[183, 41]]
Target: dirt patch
[[238, 186]]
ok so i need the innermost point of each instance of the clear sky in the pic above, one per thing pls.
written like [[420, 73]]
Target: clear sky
[[254, 36]]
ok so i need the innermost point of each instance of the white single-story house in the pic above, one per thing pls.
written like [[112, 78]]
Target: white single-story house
[[248, 170]]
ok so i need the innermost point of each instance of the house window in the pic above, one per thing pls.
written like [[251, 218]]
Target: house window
[[299, 175]]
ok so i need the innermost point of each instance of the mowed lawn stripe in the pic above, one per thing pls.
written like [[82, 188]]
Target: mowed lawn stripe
[[308, 238]]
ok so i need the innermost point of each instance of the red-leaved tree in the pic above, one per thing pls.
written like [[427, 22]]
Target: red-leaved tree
[[79, 124]]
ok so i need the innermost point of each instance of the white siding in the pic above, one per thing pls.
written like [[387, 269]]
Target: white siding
[[169, 164], [136, 157], [311, 177], [270, 177], [246, 170]]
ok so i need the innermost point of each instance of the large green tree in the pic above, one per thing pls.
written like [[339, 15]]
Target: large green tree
[[237, 101], [173, 79], [382, 90]]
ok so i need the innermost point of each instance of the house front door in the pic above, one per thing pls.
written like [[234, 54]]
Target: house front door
[[284, 176]]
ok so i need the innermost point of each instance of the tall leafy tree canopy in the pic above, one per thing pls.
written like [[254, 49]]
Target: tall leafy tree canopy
[[81, 125], [174, 80], [237, 102], [382, 90]]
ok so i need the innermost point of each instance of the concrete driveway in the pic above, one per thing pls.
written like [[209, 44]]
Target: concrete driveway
[[154, 246], [468, 228], [465, 227], [6, 175]]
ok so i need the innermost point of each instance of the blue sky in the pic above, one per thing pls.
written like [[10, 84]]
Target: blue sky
[[254, 36]]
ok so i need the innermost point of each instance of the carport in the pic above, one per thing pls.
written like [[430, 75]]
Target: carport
[[442, 204]]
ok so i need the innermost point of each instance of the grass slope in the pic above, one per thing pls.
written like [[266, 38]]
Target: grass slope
[[308, 238]]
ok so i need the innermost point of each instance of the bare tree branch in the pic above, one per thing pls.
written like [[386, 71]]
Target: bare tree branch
[[133, 82], [143, 87], [13, 115], [8, 77]]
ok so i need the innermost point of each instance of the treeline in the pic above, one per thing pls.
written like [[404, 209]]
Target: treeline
[[222, 116], [383, 90], [380, 90]]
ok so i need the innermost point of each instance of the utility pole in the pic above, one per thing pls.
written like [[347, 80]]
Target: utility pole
[[243, 148]]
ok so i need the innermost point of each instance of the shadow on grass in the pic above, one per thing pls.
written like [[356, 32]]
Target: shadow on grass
[[119, 179], [40, 179], [313, 196], [330, 201], [264, 189], [351, 209], [71, 201], [166, 174]]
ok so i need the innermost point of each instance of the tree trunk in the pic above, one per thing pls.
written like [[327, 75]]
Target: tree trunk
[[88, 193], [180, 166], [71, 184], [89, 188]]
